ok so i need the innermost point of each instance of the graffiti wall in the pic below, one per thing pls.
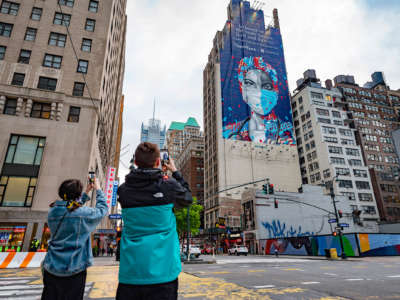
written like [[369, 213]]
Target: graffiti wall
[[354, 245], [254, 86]]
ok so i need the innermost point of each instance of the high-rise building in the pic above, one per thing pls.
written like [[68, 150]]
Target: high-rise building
[[372, 112], [327, 146], [179, 134], [61, 69], [248, 125], [190, 162], [153, 132]]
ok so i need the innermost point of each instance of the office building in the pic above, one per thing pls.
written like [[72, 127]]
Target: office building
[[179, 134], [61, 69], [327, 146], [248, 133], [372, 112]]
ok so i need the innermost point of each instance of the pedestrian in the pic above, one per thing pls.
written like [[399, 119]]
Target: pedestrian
[[276, 252], [111, 251], [149, 250], [70, 252], [103, 250]]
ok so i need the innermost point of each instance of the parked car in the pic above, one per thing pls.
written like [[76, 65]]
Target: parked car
[[238, 250], [194, 251]]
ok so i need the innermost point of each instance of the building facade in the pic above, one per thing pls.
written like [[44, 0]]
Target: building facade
[[153, 133], [247, 139], [179, 134], [327, 146], [61, 71], [191, 163], [372, 111]]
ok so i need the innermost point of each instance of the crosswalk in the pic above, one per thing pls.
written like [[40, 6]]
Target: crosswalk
[[19, 288]]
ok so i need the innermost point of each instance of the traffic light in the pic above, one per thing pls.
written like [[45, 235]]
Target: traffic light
[[265, 188], [276, 203], [340, 213], [271, 189]]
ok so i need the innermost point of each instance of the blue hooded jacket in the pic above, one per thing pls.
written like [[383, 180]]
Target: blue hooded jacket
[[149, 243]]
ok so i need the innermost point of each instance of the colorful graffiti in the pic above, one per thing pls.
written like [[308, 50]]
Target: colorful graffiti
[[276, 229], [354, 245]]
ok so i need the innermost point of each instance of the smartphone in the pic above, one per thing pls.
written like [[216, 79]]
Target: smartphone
[[91, 177], [164, 156]]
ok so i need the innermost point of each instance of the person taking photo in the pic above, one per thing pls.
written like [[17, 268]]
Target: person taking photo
[[149, 251], [70, 251]]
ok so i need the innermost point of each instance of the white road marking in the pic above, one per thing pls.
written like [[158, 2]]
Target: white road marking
[[310, 282], [8, 282], [17, 278], [244, 266], [354, 279], [330, 274], [20, 287], [393, 276], [263, 286], [262, 260]]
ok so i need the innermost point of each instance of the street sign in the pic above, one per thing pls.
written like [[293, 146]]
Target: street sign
[[343, 225], [115, 216], [332, 221]]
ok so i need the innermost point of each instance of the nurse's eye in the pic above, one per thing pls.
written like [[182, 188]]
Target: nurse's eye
[[249, 83], [267, 86]]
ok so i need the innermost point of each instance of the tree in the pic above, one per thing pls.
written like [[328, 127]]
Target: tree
[[194, 216]]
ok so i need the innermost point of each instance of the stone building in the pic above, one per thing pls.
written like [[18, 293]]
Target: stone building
[[61, 72]]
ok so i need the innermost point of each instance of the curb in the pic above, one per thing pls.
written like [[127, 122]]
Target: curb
[[197, 262]]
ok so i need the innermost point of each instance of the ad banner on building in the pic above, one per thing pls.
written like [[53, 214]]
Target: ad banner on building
[[255, 96], [110, 178]]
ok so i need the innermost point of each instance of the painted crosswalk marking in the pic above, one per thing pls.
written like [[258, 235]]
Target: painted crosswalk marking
[[18, 288], [264, 286], [393, 276], [310, 282]]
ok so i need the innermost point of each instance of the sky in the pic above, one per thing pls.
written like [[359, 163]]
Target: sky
[[168, 43]]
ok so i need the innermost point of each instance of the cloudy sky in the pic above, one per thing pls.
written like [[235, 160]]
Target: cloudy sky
[[168, 43]]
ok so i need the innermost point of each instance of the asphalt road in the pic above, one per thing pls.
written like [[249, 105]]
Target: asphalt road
[[251, 277], [364, 278]]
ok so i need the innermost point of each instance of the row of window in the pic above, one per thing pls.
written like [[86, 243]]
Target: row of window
[[361, 185], [46, 83], [12, 8], [41, 110], [342, 161]]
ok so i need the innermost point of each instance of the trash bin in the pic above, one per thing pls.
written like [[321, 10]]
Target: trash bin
[[333, 253], [327, 253]]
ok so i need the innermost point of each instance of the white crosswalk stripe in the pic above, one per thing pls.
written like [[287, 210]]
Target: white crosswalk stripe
[[18, 288]]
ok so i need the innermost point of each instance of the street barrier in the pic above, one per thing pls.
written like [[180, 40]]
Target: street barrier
[[10, 260]]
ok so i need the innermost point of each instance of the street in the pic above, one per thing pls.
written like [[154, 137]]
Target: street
[[251, 277]]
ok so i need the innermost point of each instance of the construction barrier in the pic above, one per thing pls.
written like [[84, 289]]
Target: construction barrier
[[10, 260]]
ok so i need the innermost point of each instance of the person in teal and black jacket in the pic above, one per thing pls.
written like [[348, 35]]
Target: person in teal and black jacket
[[150, 257]]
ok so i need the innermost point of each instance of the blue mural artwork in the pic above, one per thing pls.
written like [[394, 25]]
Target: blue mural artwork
[[276, 229], [255, 95]]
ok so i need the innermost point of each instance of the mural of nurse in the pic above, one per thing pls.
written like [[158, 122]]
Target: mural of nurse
[[258, 83]]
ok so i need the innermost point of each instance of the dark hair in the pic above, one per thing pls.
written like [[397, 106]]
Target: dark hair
[[70, 189], [146, 155]]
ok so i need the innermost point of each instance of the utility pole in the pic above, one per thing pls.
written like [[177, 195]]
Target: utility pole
[[332, 194], [188, 232]]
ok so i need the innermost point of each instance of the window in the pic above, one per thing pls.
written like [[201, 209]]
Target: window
[[62, 19], [342, 171], [69, 3], [9, 8], [327, 173], [338, 122], [388, 188], [18, 79], [362, 185], [52, 61], [17, 191], [82, 66], [10, 107], [349, 195], [46, 83], [24, 56], [74, 113], [41, 110], [36, 13], [86, 45], [334, 149], [360, 173], [78, 89], [5, 29], [370, 210], [2, 52], [25, 150], [337, 161], [347, 142], [352, 152], [30, 34], [322, 112], [300, 100], [57, 39], [328, 130], [345, 132], [317, 95], [93, 5], [336, 114], [365, 197], [329, 139], [355, 162], [90, 24], [345, 184]]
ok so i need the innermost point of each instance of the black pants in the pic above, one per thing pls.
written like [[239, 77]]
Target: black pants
[[63, 288], [162, 291]]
